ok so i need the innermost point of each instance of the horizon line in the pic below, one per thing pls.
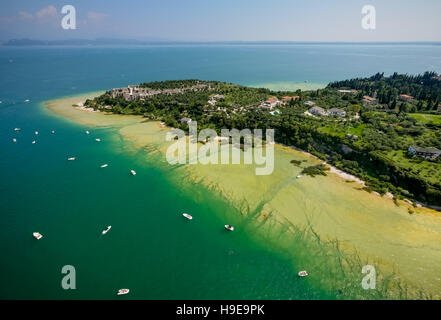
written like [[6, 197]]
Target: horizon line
[[128, 41]]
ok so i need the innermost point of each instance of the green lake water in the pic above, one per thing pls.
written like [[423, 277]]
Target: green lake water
[[151, 248]]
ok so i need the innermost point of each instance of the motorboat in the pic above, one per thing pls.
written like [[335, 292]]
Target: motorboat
[[228, 227], [27, 100], [104, 165], [71, 159], [17, 129], [87, 132], [299, 176], [106, 230], [53, 131], [36, 132], [34, 142], [133, 172], [186, 215], [14, 140], [97, 140], [123, 291], [303, 273], [37, 235]]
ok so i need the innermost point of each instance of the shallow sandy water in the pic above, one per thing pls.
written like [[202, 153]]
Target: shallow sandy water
[[382, 233]]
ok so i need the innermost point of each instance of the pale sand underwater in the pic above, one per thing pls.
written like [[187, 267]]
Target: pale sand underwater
[[329, 208]]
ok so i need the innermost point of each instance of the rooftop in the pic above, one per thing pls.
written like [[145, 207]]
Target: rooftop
[[426, 150], [319, 109], [289, 98], [335, 110], [272, 99]]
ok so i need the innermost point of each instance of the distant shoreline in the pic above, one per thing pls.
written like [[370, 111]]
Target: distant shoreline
[[132, 42]]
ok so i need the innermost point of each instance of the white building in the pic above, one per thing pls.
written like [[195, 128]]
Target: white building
[[336, 112], [428, 153]]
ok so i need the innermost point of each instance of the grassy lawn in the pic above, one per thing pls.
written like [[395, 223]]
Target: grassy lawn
[[427, 170], [333, 131], [426, 118], [340, 131], [358, 131]]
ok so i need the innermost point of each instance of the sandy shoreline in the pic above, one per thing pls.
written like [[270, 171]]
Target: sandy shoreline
[[349, 177], [345, 175], [373, 226]]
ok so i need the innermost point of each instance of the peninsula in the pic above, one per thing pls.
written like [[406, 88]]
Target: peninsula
[[384, 130]]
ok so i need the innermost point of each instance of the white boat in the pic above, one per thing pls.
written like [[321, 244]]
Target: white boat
[[97, 140], [71, 159], [186, 215], [36, 132], [53, 131], [303, 273], [228, 227], [14, 140], [87, 132], [17, 129], [123, 291], [133, 172], [37, 235], [104, 165], [299, 176], [34, 142], [106, 230], [27, 100]]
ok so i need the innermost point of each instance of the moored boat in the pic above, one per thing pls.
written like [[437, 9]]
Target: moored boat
[[186, 215], [17, 129], [34, 142], [87, 132], [303, 273], [97, 140], [228, 227], [133, 172], [104, 165], [71, 159], [14, 140], [37, 235]]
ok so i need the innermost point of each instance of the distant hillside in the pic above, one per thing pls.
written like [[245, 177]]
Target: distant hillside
[[369, 138], [79, 42], [425, 88], [110, 41]]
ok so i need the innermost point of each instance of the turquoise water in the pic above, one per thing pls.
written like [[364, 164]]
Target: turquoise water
[[150, 249]]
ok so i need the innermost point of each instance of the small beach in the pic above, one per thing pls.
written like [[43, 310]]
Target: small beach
[[328, 208]]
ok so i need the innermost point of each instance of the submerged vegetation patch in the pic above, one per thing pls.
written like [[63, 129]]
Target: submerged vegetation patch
[[296, 162], [363, 126], [317, 170]]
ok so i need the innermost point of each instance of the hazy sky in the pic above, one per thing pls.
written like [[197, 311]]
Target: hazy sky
[[234, 20]]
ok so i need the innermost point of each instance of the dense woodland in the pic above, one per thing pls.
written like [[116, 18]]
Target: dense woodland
[[371, 142], [425, 88]]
